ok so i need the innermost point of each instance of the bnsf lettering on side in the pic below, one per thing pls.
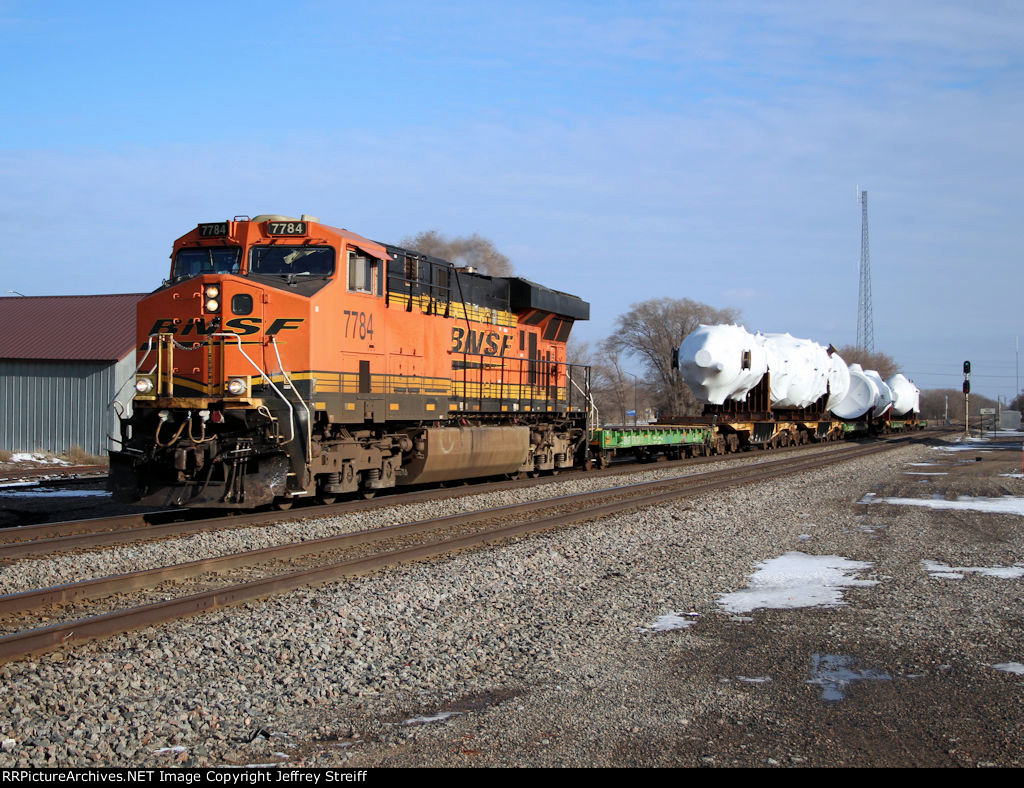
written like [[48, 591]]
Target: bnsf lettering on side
[[480, 343]]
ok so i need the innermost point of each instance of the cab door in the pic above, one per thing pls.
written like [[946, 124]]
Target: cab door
[[361, 339]]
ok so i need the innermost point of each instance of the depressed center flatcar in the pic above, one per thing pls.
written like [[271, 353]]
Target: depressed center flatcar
[[287, 359]]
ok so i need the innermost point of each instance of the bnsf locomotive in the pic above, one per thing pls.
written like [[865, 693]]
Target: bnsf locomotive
[[286, 359]]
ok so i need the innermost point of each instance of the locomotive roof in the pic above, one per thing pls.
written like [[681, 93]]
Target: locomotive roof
[[525, 294], [521, 293]]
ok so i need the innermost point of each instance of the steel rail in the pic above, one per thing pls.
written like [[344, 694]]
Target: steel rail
[[21, 644], [96, 472]]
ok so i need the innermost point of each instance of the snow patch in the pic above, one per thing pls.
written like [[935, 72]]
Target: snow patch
[[24, 456], [935, 569], [797, 580], [1007, 504], [671, 621], [1010, 667]]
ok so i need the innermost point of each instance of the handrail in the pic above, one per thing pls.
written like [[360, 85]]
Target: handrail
[[593, 416], [309, 415], [268, 381], [116, 401]]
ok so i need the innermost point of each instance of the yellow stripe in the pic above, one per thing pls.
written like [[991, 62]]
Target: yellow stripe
[[456, 309]]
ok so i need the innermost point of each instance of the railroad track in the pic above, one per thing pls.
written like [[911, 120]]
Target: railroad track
[[55, 473], [208, 584], [53, 538]]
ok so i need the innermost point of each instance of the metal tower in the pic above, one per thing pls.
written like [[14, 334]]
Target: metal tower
[[865, 318]]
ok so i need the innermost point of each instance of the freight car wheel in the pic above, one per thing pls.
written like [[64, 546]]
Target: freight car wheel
[[283, 504], [368, 494]]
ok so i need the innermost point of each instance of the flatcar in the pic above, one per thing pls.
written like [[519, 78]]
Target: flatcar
[[286, 359]]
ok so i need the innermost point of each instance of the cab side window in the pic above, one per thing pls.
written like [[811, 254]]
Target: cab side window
[[363, 273]]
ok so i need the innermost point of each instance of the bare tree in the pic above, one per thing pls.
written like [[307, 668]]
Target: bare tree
[[615, 391], [651, 331], [469, 250], [934, 403], [885, 365]]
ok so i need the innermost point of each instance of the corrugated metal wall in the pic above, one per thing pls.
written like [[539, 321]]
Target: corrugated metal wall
[[54, 405]]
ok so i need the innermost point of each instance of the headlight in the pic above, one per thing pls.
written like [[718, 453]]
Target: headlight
[[236, 387], [212, 291], [143, 385], [212, 305]]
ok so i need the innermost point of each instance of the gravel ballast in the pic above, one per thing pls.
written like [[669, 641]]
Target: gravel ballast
[[543, 652]]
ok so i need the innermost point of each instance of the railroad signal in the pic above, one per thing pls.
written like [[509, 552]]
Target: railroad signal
[[967, 398]]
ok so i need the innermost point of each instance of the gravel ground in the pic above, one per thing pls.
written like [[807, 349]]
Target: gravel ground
[[34, 573], [542, 653]]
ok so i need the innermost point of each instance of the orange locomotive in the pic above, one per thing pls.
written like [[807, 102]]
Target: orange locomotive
[[286, 359]]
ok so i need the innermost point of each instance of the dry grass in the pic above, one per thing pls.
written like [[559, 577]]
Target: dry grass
[[79, 456], [5, 456]]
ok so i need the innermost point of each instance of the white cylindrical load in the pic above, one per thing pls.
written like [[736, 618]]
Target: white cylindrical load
[[885, 395], [798, 370], [861, 398], [721, 362], [908, 396], [838, 381]]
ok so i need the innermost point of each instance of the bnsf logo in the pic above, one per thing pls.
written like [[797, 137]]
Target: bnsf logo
[[239, 325], [480, 343]]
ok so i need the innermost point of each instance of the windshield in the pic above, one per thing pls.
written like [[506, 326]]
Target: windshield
[[206, 260], [294, 260]]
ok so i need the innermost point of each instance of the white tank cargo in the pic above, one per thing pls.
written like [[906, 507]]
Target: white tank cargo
[[908, 396], [722, 362], [885, 395], [861, 398], [798, 370], [838, 381]]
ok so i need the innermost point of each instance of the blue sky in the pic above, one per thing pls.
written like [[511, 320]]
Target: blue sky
[[619, 151]]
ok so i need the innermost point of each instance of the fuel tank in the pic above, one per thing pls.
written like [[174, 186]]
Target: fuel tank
[[446, 453]]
